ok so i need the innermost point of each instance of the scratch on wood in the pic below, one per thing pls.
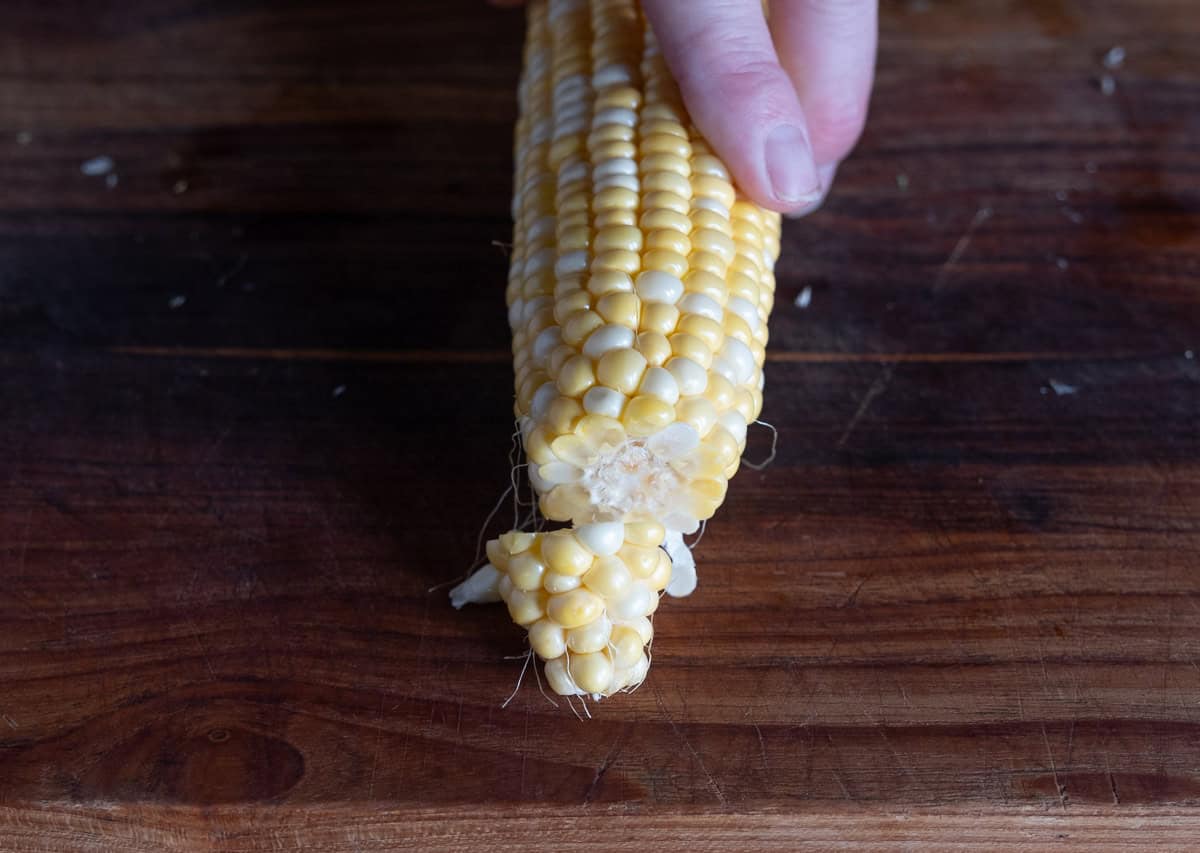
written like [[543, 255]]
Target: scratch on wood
[[1059, 789], [762, 745], [609, 760], [877, 387], [375, 752], [1112, 782], [981, 216], [712, 783], [12, 724], [845, 791], [200, 645], [852, 598]]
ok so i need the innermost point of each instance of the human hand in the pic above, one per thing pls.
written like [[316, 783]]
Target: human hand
[[781, 104]]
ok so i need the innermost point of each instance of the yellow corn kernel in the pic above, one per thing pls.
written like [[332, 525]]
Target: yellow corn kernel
[[526, 607], [646, 415], [654, 346], [659, 317], [624, 237], [526, 571], [608, 577], [621, 369], [639, 559], [548, 640], [576, 376], [592, 637], [604, 282], [564, 554], [579, 325], [620, 308], [626, 646], [561, 417], [705, 329], [697, 413], [574, 608], [667, 261], [592, 672]]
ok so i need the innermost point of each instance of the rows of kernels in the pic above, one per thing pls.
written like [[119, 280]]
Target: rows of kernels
[[585, 595], [660, 277]]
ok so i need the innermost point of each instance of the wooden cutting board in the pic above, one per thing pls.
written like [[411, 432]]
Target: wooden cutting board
[[255, 404]]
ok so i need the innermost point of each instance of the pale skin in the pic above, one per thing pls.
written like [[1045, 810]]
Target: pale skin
[[782, 103]]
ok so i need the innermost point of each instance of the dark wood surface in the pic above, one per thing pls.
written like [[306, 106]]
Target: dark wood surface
[[255, 403]]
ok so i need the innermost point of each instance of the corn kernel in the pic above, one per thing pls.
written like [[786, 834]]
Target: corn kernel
[[621, 309], [576, 376], [697, 413], [517, 541], [526, 571], [579, 325], [526, 607], [608, 576], [592, 672], [617, 259], [561, 417], [659, 317], [704, 328], [707, 284], [692, 348], [667, 239], [667, 182], [623, 237], [645, 533], [621, 369], [553, 582], [646, 415], [666, 261], [640, 559], [592, 637], [564, 554], [667, 201], [660, 575], [604, 282], [665, 143], [559, 679], [654, 346], [547, 640], [497, 555], [574, 608]]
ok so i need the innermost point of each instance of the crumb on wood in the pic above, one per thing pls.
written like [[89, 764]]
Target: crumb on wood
[[1062, 263], [1108, 85], [902, 181], [1114, 58], [804, 297], [180, 187], [339, 391], [1062, 389], [97, 166], [24, 138], [111, 180], [176, 302]]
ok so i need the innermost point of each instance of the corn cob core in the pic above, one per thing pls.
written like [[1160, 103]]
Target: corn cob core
[[638, 294]]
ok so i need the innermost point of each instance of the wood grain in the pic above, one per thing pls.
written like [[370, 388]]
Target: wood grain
[[255, 403]]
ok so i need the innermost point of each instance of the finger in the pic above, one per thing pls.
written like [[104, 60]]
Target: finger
[[827, 174], [739, 96], [828, 49]]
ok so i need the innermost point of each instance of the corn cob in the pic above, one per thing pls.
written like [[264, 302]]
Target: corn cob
[[638, 294]]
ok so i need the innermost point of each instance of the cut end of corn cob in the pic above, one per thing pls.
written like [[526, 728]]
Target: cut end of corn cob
[[638, 294]]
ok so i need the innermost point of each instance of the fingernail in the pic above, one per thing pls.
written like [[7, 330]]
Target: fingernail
[[826, 173], [790, 166]]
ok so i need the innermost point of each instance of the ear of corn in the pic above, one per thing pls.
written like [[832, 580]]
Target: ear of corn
[[638, 294]]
